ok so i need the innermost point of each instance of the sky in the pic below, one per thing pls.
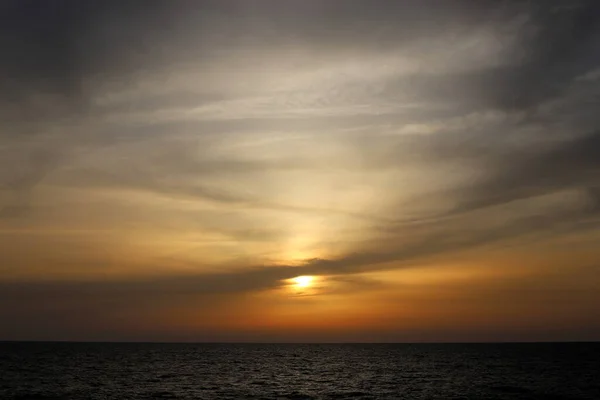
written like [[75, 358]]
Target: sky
[[430, 168]]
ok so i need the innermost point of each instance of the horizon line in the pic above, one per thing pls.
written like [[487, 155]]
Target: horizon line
[[2, 341]]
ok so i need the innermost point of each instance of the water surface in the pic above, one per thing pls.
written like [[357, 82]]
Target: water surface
[[105, 371]]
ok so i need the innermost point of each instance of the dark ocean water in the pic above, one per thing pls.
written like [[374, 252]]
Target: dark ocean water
[[288, 371]]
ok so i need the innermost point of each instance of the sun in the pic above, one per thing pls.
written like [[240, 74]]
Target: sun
[[303, 281]]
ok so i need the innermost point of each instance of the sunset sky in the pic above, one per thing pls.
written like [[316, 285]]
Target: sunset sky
[[431, 169]]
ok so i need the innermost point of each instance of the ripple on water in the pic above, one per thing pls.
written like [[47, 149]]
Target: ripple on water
[[51, 371]]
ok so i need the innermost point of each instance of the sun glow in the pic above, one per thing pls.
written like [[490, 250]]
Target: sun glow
[[303, 281]]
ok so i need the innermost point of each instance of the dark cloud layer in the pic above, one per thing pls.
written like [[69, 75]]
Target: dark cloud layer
[[574, 164], [563, 44]]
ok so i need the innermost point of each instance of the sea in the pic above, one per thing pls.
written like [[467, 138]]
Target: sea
[[102, 371]]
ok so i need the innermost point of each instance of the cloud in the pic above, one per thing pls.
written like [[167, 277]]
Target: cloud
[[314, 138], [567, 165]]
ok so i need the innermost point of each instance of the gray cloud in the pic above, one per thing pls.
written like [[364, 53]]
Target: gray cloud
[[572, 164], [563, 45]]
